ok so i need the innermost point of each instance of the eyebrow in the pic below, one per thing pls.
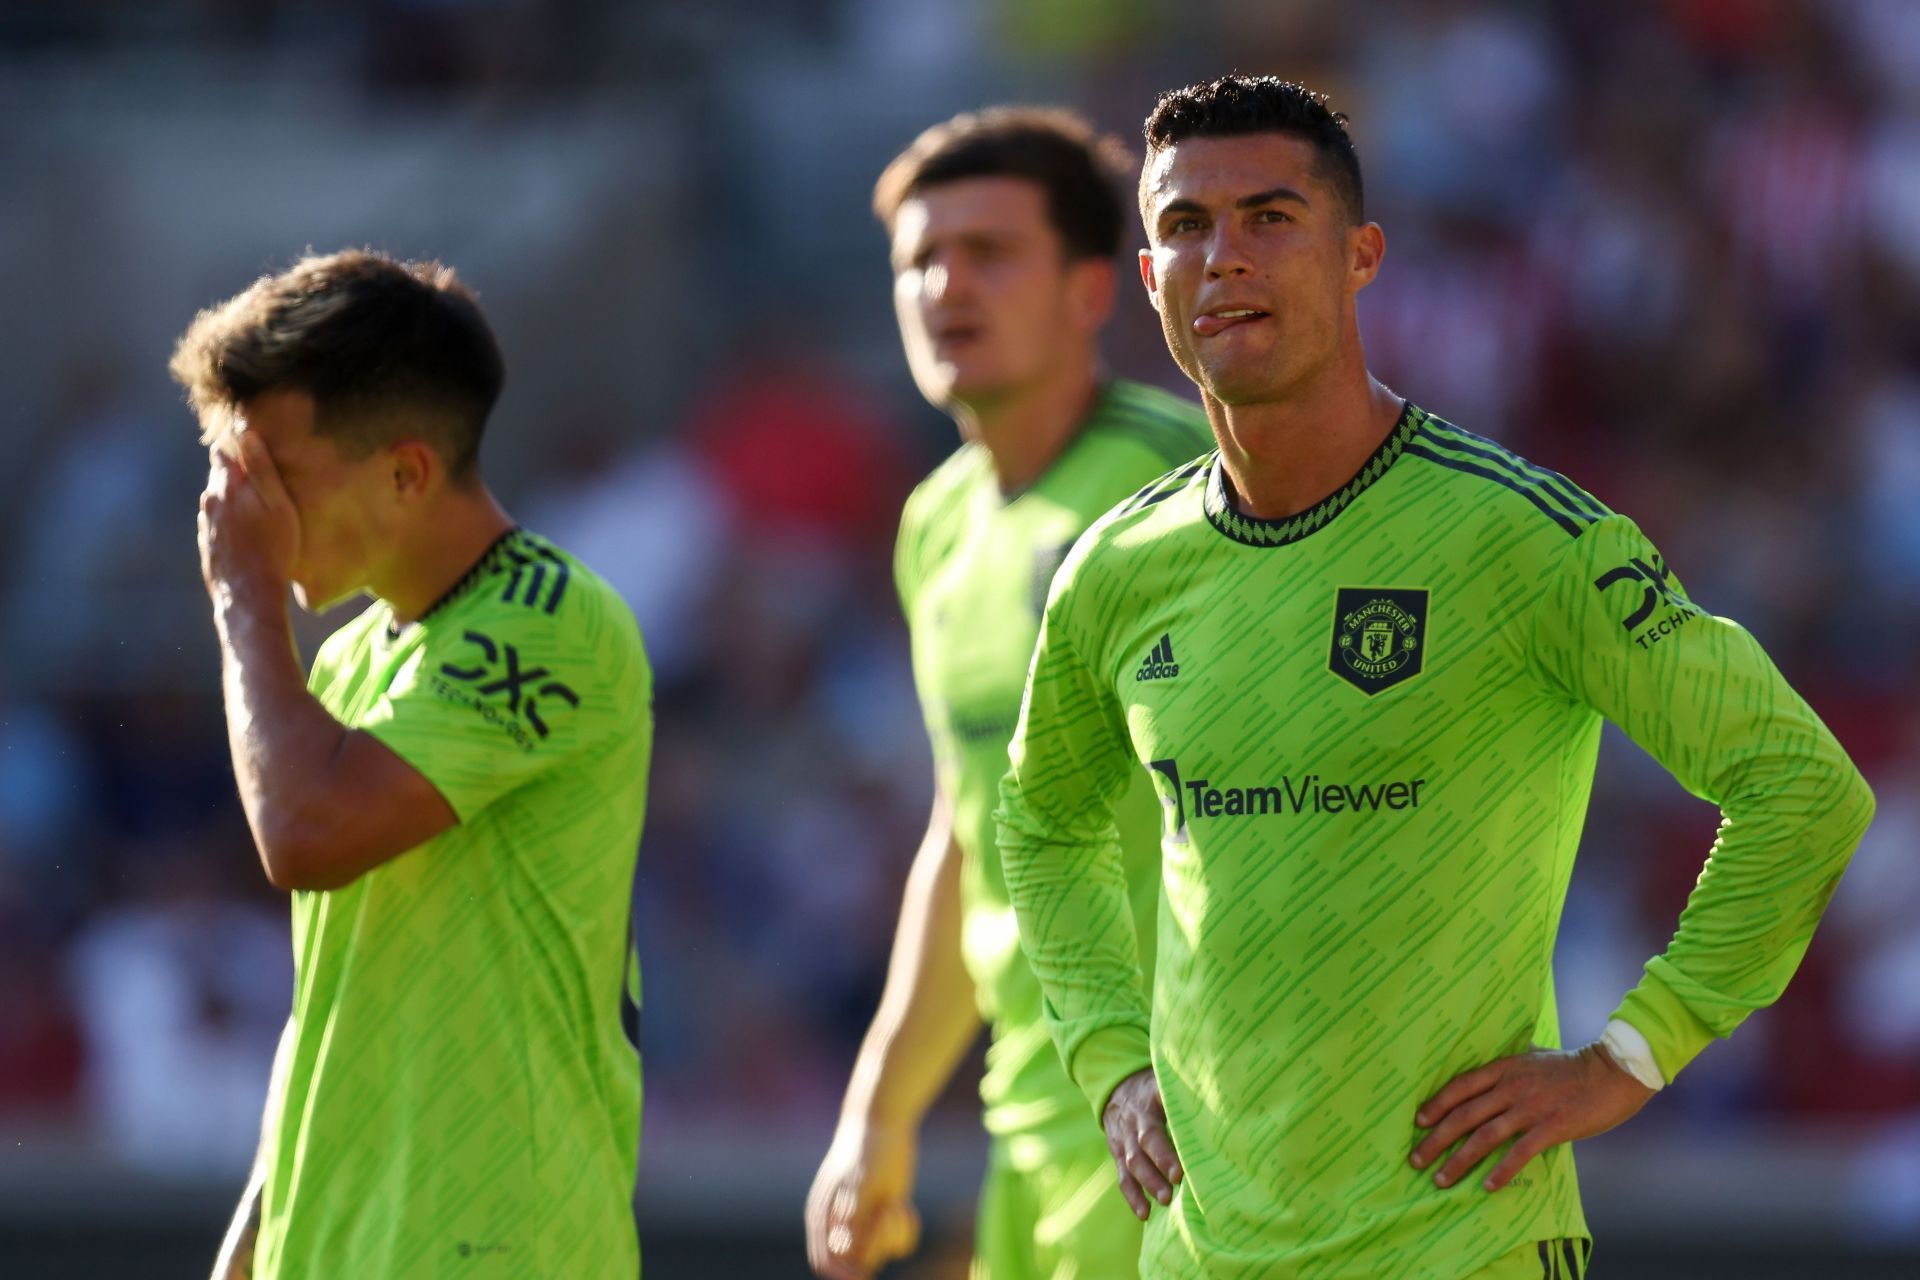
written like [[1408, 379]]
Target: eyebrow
[[1272, 195], [973, 237]]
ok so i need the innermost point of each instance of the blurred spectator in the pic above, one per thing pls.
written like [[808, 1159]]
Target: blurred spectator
[[618, 510], [89, 573], [182, 988]]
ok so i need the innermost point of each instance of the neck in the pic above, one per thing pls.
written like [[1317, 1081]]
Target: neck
[[1283, 456], [437, 552], [1025, 433]]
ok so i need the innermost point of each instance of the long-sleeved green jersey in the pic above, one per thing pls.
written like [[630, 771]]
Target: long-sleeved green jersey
[[972, 566], [1374, 760]]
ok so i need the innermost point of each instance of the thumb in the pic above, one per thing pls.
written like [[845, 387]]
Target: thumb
[[896, 1231]]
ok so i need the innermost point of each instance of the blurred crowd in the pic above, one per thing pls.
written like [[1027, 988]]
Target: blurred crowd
[[1670, 247]]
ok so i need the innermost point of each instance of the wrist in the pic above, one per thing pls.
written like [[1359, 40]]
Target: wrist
[[876, 1113], [249, 596], [1623, 1046]]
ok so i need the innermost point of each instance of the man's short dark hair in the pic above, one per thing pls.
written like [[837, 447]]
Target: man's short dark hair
[[387, 349], [1236, 105], [1081, 171]]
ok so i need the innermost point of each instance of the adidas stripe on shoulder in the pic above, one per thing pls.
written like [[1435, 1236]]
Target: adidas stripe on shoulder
[[1556, 497]]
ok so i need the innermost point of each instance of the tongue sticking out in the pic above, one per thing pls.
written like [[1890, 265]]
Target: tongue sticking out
[[1219, 322]]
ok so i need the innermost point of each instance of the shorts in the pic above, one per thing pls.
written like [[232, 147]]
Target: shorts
[[1563, 1259]]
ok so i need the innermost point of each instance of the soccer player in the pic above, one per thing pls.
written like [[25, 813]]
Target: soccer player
[[1397, 644], [453, 796], [1004, 227]]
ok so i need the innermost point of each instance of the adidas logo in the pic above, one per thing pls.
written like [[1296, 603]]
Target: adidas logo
[[1159, 664]]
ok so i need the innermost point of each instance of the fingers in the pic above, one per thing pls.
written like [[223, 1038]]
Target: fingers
[[1481, 1143], [1144, 1159], [850, 1232], [1470, 1084], [1533, 1100], [896, 1233], [219, 475], [1515, 1160], [1148, 1176], [1159, 1148], [832, 1241], [1455, 1125], [1130, 1189], [1146, 1167], [260, 471]]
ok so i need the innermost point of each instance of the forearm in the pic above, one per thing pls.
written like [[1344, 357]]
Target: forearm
[[1787, 836], [1069, 892], [927, 1015], [282, 740], [1060, 854], [1615, 631]]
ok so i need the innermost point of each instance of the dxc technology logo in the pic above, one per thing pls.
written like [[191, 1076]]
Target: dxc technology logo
[[502, 673]]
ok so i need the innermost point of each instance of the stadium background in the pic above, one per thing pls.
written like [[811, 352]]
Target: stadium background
[[1669, 246]]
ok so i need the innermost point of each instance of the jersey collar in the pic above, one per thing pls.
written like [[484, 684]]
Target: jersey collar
[[1256, 532], [473, 574]]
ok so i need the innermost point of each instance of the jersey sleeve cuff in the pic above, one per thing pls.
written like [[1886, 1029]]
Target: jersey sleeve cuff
[[1107, 1057], [402, 745], [1674, 1032], [1632, 1054]]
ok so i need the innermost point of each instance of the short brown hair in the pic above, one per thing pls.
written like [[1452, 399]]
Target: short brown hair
[[1082, 172], [386, 349]]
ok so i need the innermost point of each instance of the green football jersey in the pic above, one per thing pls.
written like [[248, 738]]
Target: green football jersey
[[973, 568], [461, 1097], [1374, 763]]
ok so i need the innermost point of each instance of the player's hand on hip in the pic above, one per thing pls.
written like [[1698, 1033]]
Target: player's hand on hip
[[1136, 1125], [860, 1213], [1535, 1100], [249, 528]]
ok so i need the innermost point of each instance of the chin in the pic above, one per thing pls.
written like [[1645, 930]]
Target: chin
[[1246, 382], [1232, 390], [314, 600], [985, 386]]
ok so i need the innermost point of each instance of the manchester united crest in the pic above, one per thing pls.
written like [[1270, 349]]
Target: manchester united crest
[[1379, 636]]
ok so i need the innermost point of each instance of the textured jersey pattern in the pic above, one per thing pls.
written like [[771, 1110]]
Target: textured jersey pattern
[[1373, 766], [460, 1098], [973, 568]]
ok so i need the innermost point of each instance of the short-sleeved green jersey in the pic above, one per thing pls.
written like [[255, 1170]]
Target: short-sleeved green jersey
[[1374, 763], [460, 1097], [973, 567]]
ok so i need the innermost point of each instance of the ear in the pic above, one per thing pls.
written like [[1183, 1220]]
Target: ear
[[1366, 247], [1149, 279], [1090, 290], [416, 470]]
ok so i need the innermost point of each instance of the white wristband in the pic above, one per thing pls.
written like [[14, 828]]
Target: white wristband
[[1627, 1047]]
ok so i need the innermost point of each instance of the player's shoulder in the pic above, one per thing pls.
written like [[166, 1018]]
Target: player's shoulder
[[530, 590], [1132, 527], [947, 485], [1169, 429], [1503, 485], [932, 510]]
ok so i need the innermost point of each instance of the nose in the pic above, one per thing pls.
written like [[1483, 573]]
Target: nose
[[1226, 252]]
